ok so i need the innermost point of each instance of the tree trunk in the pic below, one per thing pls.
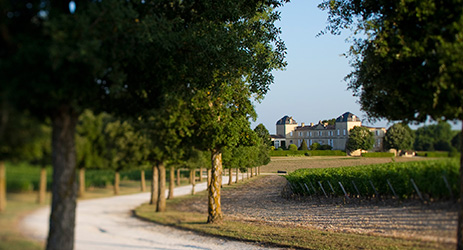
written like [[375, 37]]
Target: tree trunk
[[460, 209], [209, 173], [171, 183], [247, 173], [251, 173], [230, 176], [81, 182], [154, 186], [117, 180], [237, 175], [178, 177], [2, 186], [214, 208], [42, 185], [193, 180], [161, 205], [142, 180], [200, 174], [64, 188]]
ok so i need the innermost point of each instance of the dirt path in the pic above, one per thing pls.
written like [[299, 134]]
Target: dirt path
[[261, 200], [108, 224]]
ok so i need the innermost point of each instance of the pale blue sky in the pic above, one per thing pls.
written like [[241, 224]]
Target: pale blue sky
[[312, 87]]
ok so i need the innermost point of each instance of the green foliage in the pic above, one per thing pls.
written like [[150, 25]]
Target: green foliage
[[303, 146], [378, 154], [124, 147], [22, 137], [308, 153], [434, 137], [426, 174], [330, 121], [315, 146], [408, 60], [325, 147], [292, 147], [436, 154], [360, 138], [23, 177], [399, 136], [456, 141], [90, 140], [263, 134]]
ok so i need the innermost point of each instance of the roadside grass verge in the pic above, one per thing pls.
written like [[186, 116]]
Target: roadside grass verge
[[18, 205], [273, 234]]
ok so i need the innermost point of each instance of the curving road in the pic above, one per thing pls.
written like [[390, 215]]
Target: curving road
[[108, 223]]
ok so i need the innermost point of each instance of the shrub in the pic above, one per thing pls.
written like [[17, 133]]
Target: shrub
[[378, 154], [292, 147]]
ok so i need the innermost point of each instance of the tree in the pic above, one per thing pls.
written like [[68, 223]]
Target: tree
[[124, 148], [434, 137], [263, 133], [360, 138], [121, 56], [409, 65], [303, 145], [399, 136], [90, 144], [331, 121]]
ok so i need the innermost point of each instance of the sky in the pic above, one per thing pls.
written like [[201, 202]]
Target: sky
[[312, 88]]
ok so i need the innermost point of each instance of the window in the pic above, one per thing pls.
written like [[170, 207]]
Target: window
[[310, 142], [344, 132], [300, 133], [338, 132], [320, 133], [277, 144], [377, 132], [306, 133], [291, 133], [310, 133]]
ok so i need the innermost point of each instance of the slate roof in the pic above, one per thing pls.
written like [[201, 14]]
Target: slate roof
[[286, 120], [348, 117]]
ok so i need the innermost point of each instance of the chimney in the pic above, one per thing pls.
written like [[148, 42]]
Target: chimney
[[311, 124], [302, 124]]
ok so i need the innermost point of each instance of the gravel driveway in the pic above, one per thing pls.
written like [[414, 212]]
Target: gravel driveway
[[108, 224]]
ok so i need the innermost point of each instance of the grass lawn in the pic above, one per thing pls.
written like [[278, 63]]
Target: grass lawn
[[274, 235], [18, 205], [290, 164]]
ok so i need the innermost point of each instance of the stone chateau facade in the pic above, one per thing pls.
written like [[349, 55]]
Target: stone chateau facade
[[289, 132]]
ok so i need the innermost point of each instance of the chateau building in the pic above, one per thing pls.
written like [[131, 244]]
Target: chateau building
[[334, 135]]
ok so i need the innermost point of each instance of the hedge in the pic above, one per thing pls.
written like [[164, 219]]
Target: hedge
[[307, 153], [377, 154]]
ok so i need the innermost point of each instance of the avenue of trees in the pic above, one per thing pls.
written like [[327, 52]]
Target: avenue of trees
[[408, 64], [134, 59]]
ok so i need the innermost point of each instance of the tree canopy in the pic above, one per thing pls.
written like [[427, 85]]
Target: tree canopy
[[399, 136], [360, 138], [408, 63], [434, 137]]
